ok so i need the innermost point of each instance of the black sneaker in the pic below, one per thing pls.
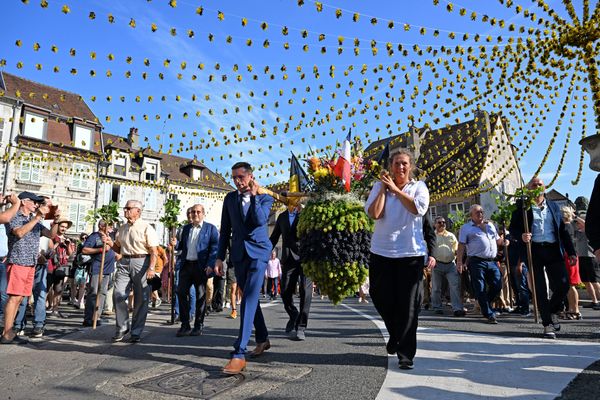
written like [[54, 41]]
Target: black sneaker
[[37, 332], [197, 331], [460, 313], [555, 322], [492, 320], [406, 364], [596, 306], [134, 339], [184, 331], [119, 336]]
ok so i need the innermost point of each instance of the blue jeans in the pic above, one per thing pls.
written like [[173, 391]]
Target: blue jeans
[[178, 264], [40, 290], [519, 282], [3, 284], [272, 286], [485, 272]]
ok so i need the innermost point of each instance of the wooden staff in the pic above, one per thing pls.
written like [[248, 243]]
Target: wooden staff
[[172, 279], [98, 288], [508, 273], [530, 260]]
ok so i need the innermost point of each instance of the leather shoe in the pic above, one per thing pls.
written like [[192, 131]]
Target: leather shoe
[[260, 348], [235, 366], [197, 331]]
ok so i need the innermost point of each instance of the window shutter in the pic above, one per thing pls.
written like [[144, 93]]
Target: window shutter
[[25, 169], [107, 187], [36, 169]]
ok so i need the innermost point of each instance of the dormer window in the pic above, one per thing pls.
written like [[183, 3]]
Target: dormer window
[[197, 174], [34, 126], [82, 137], [119, 165], [151, 171]]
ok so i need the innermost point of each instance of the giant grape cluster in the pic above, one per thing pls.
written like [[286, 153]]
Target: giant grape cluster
[[335, 237]]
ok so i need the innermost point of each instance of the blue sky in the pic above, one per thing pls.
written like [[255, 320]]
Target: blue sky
[[211, 95]]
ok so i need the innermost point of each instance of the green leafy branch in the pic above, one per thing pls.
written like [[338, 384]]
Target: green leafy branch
[[171, 215], [108, 213]]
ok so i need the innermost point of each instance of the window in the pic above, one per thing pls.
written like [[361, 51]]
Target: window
[[119, 165], [2, 125], [433, 212], [80, 176], [82, 137], [151, 171], [118, 195], [150, 197], [30, 168], [34, 126], [455, 207], [77, 213]]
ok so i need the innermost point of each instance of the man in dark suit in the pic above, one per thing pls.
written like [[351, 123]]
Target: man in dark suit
[[285, 227], [245, 216], [549, 243], [198, 252]]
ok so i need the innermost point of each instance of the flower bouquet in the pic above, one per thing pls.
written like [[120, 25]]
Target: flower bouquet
[[334, 230]]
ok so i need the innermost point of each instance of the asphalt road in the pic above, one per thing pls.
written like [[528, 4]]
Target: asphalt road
[[343, 357]]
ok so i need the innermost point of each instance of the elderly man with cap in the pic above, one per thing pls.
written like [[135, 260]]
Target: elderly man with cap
[[136, 241], [24, 231]]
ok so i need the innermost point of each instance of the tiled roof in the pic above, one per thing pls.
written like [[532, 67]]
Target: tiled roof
[[172, 165], [444, 150], [56, 101]]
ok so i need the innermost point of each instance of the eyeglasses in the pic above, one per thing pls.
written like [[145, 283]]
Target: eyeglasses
[[196, 212], [238, 177], [128, 208], [442, 222]]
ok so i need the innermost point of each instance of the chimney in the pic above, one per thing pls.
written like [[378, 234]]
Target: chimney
[[133, 139]]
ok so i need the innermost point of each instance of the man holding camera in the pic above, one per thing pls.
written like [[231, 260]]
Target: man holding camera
[[24, 231]]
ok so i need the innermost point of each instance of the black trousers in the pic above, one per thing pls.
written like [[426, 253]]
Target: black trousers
[[218, 292], [292, 274], [191, 278], [394, 289], [548, 258]]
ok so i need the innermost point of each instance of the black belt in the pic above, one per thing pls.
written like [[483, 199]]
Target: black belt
[[136, 256], [482, 259], [545, 244]]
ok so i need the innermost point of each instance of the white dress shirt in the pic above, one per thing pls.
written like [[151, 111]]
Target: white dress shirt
[[192, 253]]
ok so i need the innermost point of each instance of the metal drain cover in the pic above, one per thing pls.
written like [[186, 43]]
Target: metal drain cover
[[199, 383]]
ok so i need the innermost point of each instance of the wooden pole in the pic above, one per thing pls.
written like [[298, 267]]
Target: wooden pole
[[530, 261], [507, 263], [172, 279], [98, 289]]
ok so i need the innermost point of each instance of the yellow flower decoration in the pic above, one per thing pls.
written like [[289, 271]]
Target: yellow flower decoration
[[153, 27], [220, 15], [111, 18], [132, 23], [65, 9]]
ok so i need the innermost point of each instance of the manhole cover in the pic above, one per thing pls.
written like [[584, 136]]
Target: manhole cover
[[199, 383]]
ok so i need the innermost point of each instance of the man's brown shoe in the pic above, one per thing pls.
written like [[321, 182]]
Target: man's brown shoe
[[260, 348], [235, 366]]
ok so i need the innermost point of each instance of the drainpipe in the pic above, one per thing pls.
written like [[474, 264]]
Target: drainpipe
[[13, 130]]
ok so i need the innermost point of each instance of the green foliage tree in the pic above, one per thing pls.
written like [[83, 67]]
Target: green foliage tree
[[108, 212]]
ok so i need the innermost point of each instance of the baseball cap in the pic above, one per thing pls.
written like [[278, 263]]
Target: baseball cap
[[31, 196]]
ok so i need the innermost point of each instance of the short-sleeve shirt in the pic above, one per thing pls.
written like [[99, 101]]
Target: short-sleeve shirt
[[94, 241], [136, 238], [399, 233], [23, 251], [479, 243], [445, 247]]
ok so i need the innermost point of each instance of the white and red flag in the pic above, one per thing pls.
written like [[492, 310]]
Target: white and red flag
[[342, 167]]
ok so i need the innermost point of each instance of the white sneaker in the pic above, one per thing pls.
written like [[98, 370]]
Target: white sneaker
[[227, 305], [549, 332], [82, 305]]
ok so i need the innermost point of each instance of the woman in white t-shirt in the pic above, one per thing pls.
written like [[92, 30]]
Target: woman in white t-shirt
[[398, 253]]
